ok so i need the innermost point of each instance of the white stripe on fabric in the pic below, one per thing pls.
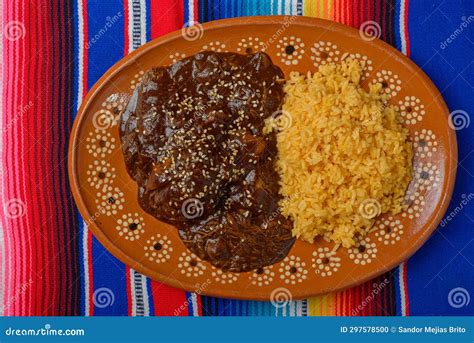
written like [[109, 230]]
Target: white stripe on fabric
[[191, 12], [287, 7], [403, 38], [85, 253], [146, 303], [194, 303], [299, 308], [143, 21], [292, 308], [402, 290], [130, 26], [140, 304], [294, 7], [133, 294]]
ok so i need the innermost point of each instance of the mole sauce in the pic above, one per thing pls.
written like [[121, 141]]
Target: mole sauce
[[192, 140]]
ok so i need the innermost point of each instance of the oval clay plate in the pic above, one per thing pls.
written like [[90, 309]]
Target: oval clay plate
[[107, 196]]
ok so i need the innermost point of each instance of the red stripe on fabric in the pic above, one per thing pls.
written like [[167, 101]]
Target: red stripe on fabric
[[407, 35], [40, 245], [363, 293], [196, 11], [352, 300], [17, 102], [66, 245], [405, 288], [370, 10], [168, 301], [341, 304], [37, 166], [126, 43], [166, 16], [54, 177], [129, 290], [355, 13], [24, 95]]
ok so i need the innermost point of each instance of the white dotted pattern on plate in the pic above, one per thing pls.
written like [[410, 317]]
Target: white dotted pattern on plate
[[263, 276], [325, 262], [100, 143], [324, 52], [216, 46], [389, 231], [250, 45], [293, 270], [363, 252], [424, 143], [110, 200], [130, 226], [100, 173], [391, 83], [290, 50], [190, 265], [411, 110], [224, 277], [158, 248]]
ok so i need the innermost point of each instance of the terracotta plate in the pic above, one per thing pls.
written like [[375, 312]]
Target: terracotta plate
[[107, 197]]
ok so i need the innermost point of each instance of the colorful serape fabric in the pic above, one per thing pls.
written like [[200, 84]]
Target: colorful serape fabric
[[52, 52]]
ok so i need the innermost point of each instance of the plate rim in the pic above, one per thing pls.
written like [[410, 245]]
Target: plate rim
[[349, 32]]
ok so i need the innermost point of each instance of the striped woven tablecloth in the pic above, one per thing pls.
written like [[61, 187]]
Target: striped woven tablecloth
[[52, 52]]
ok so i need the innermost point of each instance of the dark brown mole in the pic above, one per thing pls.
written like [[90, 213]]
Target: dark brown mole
[[192, 139]]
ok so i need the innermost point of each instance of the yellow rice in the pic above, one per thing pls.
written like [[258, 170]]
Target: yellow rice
[[344, 156]]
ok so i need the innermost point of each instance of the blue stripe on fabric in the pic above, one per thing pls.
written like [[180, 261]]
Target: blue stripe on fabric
[[150, 297], [398, 298], [110, 281], [105, 43], [148, 20], [190, 304], [186, 12], [442, 268]]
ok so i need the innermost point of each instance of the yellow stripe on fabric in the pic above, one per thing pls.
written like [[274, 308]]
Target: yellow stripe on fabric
[[323, 305], [318, 8], [329, 10], [308, 8]]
